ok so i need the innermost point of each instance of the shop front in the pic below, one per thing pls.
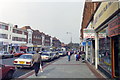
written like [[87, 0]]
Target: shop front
[[105, 52], [89, 35], [15, 47], [23, 48], [106, 24], [4, 46], [114, 33]]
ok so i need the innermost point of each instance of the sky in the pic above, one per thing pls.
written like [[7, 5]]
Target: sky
[[53, 17]]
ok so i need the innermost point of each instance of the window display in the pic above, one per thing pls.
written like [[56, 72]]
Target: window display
[[104, 50]]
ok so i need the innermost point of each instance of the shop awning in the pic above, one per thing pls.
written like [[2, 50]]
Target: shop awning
[[23, 47]]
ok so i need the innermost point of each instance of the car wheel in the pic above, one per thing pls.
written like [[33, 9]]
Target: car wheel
[[18, 67], [9, 75], [12, 56]]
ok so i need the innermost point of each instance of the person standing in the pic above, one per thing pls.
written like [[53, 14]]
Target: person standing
[[69, 56], [83, 56], [37, 62]]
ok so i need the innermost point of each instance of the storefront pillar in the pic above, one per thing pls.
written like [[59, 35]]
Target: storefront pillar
[[96, 50], [86, 51]]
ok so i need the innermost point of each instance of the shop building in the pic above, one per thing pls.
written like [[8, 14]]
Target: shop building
[[19, 39], [106, 23], [5, 36], [87, 38], [37, 39], [56, 42]]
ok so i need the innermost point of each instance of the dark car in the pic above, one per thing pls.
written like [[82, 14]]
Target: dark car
[[5, 54], [17, 54], [6, 72]]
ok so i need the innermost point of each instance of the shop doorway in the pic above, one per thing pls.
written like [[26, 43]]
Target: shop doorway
[[117, 56]]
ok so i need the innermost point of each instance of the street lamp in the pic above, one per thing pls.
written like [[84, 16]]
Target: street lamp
[[71, 36]]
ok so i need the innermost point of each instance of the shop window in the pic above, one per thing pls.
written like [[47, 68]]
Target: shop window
[[4, 36], [104, 50]]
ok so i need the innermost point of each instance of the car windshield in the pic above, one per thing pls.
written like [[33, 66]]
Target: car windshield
[[52, 54], [26, 57], [20, 52], [45, 54]]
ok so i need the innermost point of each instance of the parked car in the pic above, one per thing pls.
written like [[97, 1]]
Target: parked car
[[53, 55], [19, 53], [62, 53], [5, 54], [32, 52], [24, 60], [56, 55], [6, 72], [46, 56]]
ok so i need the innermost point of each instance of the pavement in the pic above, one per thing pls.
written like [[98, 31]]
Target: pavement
[[62, 68]]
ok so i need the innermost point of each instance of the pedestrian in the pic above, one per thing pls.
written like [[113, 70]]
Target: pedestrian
[[69, 56], [37, 62], [77, 57], [83, 56]]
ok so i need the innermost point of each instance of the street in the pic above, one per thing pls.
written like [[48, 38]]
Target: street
[[18, 72], [73, 39]]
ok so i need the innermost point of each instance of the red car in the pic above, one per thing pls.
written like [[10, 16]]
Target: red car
[[19, 53], [6, 71]]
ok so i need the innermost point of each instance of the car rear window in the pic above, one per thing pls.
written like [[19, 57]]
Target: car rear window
[[26, 57]]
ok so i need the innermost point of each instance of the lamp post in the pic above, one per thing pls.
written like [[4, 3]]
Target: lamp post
[[71, 36]]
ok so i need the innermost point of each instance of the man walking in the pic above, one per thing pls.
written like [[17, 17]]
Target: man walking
[[37, 62]]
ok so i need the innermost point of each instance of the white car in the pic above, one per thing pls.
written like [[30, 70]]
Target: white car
[[61, 53], [24, 60], [45, 56]]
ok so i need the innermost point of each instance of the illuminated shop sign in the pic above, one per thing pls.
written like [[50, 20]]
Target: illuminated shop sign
[[88, 33]]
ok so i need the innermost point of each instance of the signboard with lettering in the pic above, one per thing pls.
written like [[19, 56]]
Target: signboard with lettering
[[105, 10], [88, 33], [114, 26], [83, 43]]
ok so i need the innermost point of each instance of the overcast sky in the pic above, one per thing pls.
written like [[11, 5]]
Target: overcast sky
[[53, 17]]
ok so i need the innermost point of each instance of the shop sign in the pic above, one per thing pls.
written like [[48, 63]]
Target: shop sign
[[88, 33], [15, 44], [39, 46], [83, 43], [5, 43], [34, 45], [23, 47], [114, 27], [89, 43], [105, 10]]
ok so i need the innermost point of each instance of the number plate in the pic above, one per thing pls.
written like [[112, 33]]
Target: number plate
[[21, 62]]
